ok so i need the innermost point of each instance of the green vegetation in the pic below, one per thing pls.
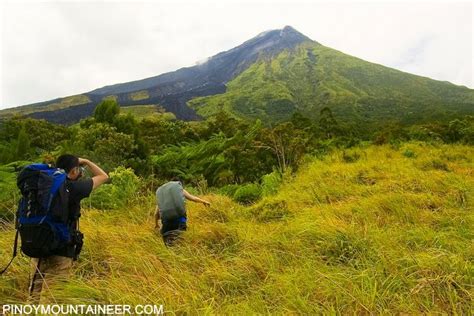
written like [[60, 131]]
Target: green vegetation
[[68, 101], [39, 107], [307, 216], [139, 95], [248, 194], [313, 77], [110, 98], [149, 110], [383, 233], [9, 195], [118, 193]]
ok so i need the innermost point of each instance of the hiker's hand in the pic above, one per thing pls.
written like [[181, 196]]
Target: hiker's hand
[[206, 203]]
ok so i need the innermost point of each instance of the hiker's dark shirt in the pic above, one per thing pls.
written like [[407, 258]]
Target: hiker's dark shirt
[[78, 190]]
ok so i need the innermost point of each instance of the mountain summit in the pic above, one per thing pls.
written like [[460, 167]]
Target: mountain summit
[[218, 69], [270, 77], [172, 90]]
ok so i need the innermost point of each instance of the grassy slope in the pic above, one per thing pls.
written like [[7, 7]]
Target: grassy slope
[[147, 110], [46, 106], [315, 76], [386, 233]]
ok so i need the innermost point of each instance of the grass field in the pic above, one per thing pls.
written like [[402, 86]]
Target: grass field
[[384, 230]]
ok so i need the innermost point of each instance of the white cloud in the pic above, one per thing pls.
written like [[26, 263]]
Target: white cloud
[[54, 49]]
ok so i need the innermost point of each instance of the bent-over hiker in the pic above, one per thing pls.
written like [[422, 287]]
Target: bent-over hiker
[[171, 209]]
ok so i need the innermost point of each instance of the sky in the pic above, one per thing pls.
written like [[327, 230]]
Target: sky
[[51, 49]]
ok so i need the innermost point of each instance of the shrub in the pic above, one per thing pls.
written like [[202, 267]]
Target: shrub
[[124, 184], [270, 183], [409, 153], [350, 156], [8, 190], [228, 190], [9, 193], [248, 194]]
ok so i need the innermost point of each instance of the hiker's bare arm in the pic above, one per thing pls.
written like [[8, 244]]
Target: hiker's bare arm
[[193, 198], [99, 176]]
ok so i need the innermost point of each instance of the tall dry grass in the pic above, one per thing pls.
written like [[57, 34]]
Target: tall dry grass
[[375, 229]]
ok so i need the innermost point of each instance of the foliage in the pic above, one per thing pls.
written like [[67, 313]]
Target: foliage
[[220, 160], [120, 192], [229, 190], [248, 193], [159, 133], [106, 111], [24, 137], [9, 195], [23, 144], [271, 183]]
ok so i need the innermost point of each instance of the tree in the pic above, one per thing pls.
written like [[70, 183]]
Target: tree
[[391, 132], [106, 111], [301, 122], [327, 123], [102, 143], [126, 124], [287, 143], [222, 122], [23, 144]]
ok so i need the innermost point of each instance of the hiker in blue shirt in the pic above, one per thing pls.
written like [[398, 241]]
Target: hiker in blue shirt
[[171, 209]]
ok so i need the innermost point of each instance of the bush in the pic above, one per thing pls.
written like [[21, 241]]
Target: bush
[[350, 157], [270, 183], [228, 190], [124, 184], [409, 153], [248, 194], [8, 192]]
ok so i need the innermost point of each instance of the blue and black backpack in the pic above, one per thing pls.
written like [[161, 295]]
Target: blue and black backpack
[[42, 220]]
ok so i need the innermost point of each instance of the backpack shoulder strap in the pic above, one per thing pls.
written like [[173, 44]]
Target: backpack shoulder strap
[[59, 180]]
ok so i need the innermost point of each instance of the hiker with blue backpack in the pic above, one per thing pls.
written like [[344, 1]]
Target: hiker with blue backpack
[[48, 217]]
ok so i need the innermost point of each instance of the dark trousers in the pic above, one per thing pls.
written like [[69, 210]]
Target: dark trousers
[[171, 230]]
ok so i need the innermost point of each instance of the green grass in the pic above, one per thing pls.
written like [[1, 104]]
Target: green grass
[[380, 233], [139, 95], [148, 110], [33, 108]]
